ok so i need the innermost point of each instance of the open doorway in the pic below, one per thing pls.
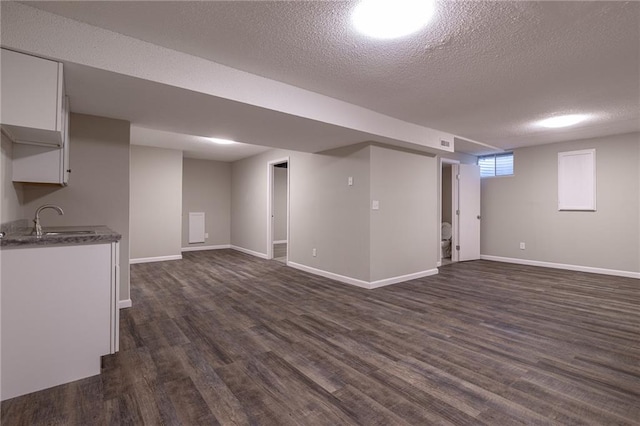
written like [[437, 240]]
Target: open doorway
[[278, 235], [459, 203], [448, 212]]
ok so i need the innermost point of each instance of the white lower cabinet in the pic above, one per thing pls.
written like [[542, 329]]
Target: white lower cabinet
[[59, 314]]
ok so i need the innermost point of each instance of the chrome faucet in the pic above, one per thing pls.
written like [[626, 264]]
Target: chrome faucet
[[37, 229]]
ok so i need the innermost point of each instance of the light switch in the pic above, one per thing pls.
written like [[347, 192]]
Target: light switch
[[350, 181], [375, 205]]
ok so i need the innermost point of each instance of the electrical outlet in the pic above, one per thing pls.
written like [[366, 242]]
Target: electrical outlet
[[350, 181], [314, 253], [521, 246], [206, 235]]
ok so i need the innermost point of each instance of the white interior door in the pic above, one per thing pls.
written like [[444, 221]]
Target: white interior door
[[469, 216]]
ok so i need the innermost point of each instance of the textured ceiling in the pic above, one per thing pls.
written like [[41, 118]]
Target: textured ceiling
[[481, 70]]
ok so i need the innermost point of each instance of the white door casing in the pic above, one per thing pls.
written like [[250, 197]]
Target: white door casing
[[270, 195], [454, 208]]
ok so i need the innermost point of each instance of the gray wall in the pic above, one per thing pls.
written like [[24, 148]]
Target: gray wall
[[206, 187], [11, 193], [324, 214], [98, 191], [328, 215], [336, 219], [523, 208], [404, 228], [156, 202], [279, 204], [249, 201]]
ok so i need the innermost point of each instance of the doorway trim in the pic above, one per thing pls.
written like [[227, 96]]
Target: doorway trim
[[454, 207], [270, 182]]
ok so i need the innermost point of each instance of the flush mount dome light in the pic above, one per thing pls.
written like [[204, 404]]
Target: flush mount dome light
[[221, 141], [562, 121], [386, 19]]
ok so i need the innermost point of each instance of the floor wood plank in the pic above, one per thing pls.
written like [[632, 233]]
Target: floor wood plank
[[221, 337]]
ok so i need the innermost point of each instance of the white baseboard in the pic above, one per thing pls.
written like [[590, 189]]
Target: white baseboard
[[280, 242], [589, 269], [403, 278], [123, 304], [362, 283], [251, 252], [154, 259], [331, 275], [199, 248]]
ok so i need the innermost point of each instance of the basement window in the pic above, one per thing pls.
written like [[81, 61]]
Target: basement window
[[496, 165]]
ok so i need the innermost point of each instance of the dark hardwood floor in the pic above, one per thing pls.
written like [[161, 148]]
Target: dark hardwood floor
[[221, 337]]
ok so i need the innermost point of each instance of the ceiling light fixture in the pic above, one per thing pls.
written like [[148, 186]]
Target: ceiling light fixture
[[562, 121], [387, 19], [221, 141]]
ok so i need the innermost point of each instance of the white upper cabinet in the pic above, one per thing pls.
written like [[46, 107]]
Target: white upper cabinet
[[38, 163], [32, 92]]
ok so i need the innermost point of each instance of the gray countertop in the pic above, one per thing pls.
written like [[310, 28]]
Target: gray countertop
[[23, 237]]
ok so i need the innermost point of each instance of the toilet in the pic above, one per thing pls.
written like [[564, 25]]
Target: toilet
[[445, 244]]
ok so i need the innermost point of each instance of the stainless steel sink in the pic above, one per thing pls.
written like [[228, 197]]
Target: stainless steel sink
[[70, 232]]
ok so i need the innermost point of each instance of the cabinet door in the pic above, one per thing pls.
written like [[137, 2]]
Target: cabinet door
[[32, 96], [42, 164], [37, 164]]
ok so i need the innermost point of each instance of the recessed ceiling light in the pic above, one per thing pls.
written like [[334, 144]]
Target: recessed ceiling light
[[386, 19], [222, 141], [562, 121]]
